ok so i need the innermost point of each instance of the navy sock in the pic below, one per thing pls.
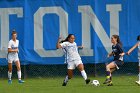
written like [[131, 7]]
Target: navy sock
[[108, 74]]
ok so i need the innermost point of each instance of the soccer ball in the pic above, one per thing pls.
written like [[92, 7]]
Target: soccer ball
[[95, 83]]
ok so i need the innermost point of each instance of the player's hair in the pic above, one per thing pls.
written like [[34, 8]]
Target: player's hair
[[67, 38], [118, 39], [138, 38], [14, 31]]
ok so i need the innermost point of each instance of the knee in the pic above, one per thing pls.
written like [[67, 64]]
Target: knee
[[108, 68], [81, 67]]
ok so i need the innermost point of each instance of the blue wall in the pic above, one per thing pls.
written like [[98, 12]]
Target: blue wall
[[40, 22]]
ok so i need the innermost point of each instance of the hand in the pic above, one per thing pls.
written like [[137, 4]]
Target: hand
[[108, 56], [14, 50], [60, 37], [127, 53], [122, 54], [80, 47]]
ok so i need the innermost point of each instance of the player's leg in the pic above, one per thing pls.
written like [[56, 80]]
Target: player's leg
[[139, 73], [10, 60], [69, 75], [80, 67], [138, 82], [112, 70], [109, 68], [9, 72], [19, 71]]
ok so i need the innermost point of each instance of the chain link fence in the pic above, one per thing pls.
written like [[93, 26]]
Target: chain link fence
[[32, 71]]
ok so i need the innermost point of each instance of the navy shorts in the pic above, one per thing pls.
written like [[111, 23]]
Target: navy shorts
[[118, 62]]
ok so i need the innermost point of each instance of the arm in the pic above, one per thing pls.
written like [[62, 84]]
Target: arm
[[81, 47], [121, 50], [58, 43], [136, 45], [12, 50], [110, 54], [122, 54]]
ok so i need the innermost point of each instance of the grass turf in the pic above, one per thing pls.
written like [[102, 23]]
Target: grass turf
[[122, 84]]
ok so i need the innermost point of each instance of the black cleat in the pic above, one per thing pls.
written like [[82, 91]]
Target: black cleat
[[64, 84], [110, 84], [107, 81], [87, 81]]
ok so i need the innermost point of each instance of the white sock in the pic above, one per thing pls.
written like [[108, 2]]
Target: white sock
[[19, 74], [9, 75], [84, 75], [66, 79]]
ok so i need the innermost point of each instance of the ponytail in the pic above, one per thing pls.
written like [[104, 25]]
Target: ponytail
[[67, 38]]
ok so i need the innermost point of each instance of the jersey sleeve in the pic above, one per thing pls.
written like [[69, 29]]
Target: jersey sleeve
[[75, 44], [9, 44], [120, 48], [64, 44]]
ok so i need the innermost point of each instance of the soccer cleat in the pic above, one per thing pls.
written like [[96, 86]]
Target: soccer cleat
[[138, 82], [64, 84], [110, 84], [9, 81], [107, 81], [87, 81], [21, 81]]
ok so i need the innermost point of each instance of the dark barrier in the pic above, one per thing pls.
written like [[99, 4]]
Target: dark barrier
[[38, 71]]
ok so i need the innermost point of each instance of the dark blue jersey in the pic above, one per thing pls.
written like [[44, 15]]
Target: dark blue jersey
[[117, 50]]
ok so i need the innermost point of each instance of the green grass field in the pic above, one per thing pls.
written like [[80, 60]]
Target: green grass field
[[122, 84]]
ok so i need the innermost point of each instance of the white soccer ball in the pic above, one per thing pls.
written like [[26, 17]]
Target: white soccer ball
[[95, 83]]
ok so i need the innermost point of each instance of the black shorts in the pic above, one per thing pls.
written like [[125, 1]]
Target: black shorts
[[118, 62]]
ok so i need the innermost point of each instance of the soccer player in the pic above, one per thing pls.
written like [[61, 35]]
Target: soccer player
[[117, 53], [13, 57], [72, 58], [135, 46]]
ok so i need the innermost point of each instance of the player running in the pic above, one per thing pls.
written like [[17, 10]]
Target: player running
[[72, 58], [135, 46], [13, 57], [118, 54]]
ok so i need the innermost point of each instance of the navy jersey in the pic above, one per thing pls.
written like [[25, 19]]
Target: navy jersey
[[116, 50]]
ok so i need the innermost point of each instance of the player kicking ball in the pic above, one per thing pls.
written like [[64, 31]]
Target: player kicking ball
[[118, 54], [13, 57], [72, 58], [128, 53]]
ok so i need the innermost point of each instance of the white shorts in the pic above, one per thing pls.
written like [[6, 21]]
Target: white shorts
[[73, 64], [12, 58]]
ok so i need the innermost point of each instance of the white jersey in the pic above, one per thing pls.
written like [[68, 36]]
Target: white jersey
[[71, 51], [13, 45]]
